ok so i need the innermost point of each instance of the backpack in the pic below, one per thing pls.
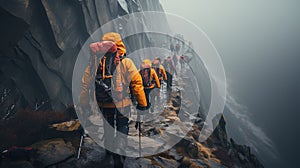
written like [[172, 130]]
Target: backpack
[[103, 87], [156, 67], [168, 64], [146, 76]]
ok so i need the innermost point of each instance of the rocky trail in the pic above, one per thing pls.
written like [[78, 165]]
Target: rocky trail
[[169, 139]]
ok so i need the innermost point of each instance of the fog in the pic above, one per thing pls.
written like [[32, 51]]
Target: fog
[[259, 44]]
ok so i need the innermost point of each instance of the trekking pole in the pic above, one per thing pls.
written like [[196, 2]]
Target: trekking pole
[[140, 140], [140, 134], [161, 95], [83, 134], [80, 145], [138, 127]]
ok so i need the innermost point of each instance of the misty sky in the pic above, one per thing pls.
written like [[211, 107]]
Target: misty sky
[[259, 44]]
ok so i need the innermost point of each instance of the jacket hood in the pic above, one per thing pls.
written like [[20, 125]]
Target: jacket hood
[[147, 62], [116, 38], [155, 62]]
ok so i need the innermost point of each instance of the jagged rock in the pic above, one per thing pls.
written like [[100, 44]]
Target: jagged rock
[[92, 151], [197, 163], [172, 118], [17, 164], [138, 162], [163, 162], [219, 134], [67, 126], [186, 153], [40, 41], [39, 46], [52, 151], [175, 155], [92, 155]]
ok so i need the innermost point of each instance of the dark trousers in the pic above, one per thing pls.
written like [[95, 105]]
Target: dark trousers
[[154, 94], [147, 93], [169, 81], [115, 120]]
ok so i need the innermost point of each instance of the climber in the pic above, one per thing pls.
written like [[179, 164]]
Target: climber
[[159, 69], [111, 89], [172, 47], [170, 69], [150, 78], [162, 75], [177, 48], [182, 61], [175, 60]]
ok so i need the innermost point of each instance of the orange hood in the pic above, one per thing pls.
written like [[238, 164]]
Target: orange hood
[[116, 38]]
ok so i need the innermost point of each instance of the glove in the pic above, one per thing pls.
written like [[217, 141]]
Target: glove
[[148, 106], [142, 108]]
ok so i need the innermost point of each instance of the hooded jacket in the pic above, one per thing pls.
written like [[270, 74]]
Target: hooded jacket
[[169, 65], [126, 75], [153, 76], [161, 69]]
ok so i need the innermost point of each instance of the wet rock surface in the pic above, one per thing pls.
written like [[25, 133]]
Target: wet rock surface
[[38, 51], [187, 153], [40, 41], [217, 151], [52, 151]]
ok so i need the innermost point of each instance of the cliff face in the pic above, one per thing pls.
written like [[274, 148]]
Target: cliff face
[[39, 45]]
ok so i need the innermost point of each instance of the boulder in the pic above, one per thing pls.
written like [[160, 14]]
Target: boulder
[[164, 162], [138, 162], [92, 155], [53, 151], [17, 164]]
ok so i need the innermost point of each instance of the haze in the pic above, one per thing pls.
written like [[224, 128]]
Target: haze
[[259, 44]]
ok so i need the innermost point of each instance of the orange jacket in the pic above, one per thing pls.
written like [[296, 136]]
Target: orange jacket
[[161, 69], [130, 77], [163, 72], [153, 76], [126, 74], [169, 65]]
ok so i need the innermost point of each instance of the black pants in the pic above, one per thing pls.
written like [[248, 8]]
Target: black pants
[[147, 93], [115, 120], [154, 94], [169, 81]]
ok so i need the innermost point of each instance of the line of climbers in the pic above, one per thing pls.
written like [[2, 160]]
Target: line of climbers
[[118, 84]]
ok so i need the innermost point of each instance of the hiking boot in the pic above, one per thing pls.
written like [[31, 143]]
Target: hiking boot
[[118, 161], [108, 160]]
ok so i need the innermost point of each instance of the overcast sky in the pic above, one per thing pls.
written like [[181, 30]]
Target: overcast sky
[[259, 44]]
